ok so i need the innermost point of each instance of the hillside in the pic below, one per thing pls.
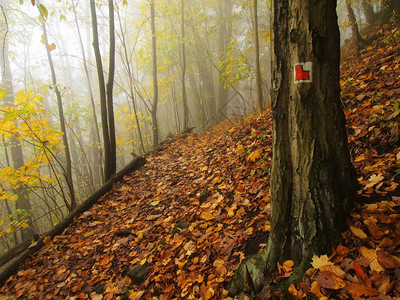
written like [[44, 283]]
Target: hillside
[[201, 204]]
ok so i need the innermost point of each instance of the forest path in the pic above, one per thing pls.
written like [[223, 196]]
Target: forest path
[[189, 212]]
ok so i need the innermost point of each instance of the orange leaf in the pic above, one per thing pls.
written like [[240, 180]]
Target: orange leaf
[[359, 272], [358, 289], [205, 215]]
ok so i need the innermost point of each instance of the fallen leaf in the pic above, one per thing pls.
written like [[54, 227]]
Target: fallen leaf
[[320, 261], [358, 232], [205, 215], [328, 280]]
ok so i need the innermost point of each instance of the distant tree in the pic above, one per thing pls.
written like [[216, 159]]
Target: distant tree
[[224, 14], [155, 82], [17, 155], [67, 170], [260, 101], [98, 155], [106, 102], [359, 41], [184, 97], [388, 8], [313, 183]]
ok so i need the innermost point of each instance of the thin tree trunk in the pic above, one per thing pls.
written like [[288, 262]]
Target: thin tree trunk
[[94, 116], [184, 97], [14, 144], [224, 12], [155, 83], [68, 166], [110, 85], [260, 102], [130, 77], [103, 96]]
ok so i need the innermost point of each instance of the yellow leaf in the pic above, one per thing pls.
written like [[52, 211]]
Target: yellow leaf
[[231, 211], [240, 149], [374, 179], [253, 156], [52, 47], [335, 270], [358, 232], [370, 254], [320, 261], [89, 233], [205, 215]]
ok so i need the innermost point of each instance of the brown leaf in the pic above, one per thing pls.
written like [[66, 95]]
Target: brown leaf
[[328, 280], [358, 289], [386, 260]]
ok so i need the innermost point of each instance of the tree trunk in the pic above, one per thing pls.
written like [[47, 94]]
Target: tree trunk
[[360, 42], [184, 98], [260, 102], [110, 85], [155, 83], [103, 97], [384, 15], [125, 57], [369, 13], [14, 144], [98, 155], [225, 30], [313, 183], [68, 164]]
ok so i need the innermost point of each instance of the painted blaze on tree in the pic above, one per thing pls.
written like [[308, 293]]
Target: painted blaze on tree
[[313, 183]]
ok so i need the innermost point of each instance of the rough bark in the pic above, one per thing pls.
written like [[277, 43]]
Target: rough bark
[[313, 183]]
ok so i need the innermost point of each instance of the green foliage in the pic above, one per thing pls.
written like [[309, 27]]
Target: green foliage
[[14, 222], [235, 67]]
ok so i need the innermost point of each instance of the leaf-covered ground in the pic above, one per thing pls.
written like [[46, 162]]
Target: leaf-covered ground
[[201, 204]]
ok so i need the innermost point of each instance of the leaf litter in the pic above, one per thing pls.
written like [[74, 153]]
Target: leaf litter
[[187, 215]]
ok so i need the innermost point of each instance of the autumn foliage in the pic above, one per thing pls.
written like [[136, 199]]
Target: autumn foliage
[[200, 204]]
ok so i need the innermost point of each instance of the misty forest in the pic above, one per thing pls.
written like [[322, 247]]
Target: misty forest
[[188, 114]]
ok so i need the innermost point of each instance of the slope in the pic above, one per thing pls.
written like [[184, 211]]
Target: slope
[[179, 226]]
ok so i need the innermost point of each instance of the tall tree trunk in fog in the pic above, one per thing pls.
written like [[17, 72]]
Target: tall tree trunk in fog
[[109, 153], [313, 183], [224, 35], [360, 42], [260, 102], [68, 166], [110, 88], [131, 87], [98, 154], [184, 97], [155, 83], [388, 7], [14, 145]]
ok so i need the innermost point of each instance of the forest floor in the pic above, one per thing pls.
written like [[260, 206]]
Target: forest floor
[[201, 204]]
